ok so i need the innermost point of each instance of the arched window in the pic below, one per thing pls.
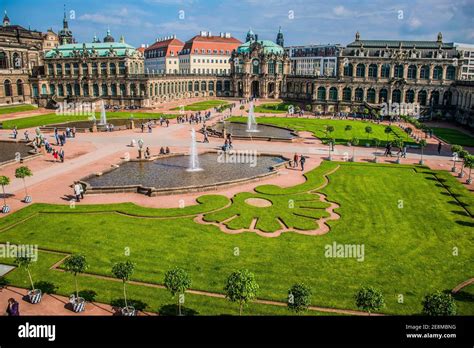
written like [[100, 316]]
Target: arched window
[[410, 96], [52, 89], [373, 70], [123, 90], [95, 69], [196, 86], [77, 89], [271, 67], [114, 89], [333, 93], [227, 86], [59, 69], [61, 90], [219, 86], [371, 96], [68, 90], [76, 69], [35, 90], [211, 85], [411, 72], [385, 71], [3, 61], [422, 97], [383, 96], [19, 87], [67, 68], [360, 70], [437, 73], [255, 67], [44, 89], [104, 89], [95, 89], [8, 88], [425, 72], [85, 70], [359, 94], [85, 90], [122, 68], [348, 70], [450, 73], [321, 93], [203, 86], [434, 98], [103, 68], [346, 94], [396, 96], [398, 71], [112, 69]]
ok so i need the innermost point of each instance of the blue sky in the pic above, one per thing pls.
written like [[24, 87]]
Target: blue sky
[[302, 21]]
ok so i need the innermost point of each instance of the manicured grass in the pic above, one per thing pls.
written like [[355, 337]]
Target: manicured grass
[[454, 136], [318, 126], [8, 109], [273, 108], [407, 221], [203, 105], [44, 120]]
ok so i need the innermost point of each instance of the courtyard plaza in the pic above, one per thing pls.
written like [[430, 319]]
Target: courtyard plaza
[[90, 153]]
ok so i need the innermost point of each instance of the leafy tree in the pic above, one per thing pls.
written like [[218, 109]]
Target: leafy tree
[[4, 181], [22, 173], [25, 263], [369, 131], [75, 264], [177, 281], [455, 149], [329, 130], [387, 131], [422, 144], [348, 128], [241, 287], [462, 155], [308, 107], [439, 304], [299, 297], [123, 271], [369, 299], [469, 163]]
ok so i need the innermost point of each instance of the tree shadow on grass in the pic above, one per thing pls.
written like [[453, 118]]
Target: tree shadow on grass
[[465, 223], [172, 310], [46, 287], [463, 296], [3, 282], [88, 295], [462, 213]]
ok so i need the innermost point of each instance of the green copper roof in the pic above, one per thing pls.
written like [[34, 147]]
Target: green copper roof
[[396, 44], [268, 47], [102, 49]]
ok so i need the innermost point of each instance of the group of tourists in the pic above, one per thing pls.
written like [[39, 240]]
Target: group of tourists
[[60, 138], [402, 151], [165, 151], [147, 125], [301, 160], [164, 121], [227, 143], [196, 118]]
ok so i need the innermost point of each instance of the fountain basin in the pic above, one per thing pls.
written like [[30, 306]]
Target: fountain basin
[[263, 132], [86, 126], [9, 149], [169, 175]]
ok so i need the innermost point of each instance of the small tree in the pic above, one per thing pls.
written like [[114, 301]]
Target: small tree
[[75, 264], [455, 149], [387, 131], [409, 131], [348, 128], [354, 142], [469, 163], [123, 271], [4, 181], [329, 130], [439, 304], [369, 299], [308, 107], [299, 297], [25, 263], [22, 173], [241, 287], [369, 131], [422, 144], [177, 281]]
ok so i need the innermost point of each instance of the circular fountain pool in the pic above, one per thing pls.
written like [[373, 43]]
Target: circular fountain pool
[[170, 174], [261, 132]]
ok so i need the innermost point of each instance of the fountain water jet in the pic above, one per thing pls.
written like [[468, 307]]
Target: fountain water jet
[[193, 157], [103, 116], [251, 121]]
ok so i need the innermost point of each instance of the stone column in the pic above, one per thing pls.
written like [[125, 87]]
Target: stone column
[[444, 72]]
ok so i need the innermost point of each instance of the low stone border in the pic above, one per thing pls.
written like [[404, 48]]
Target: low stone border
[[153, 192], [32, 153]]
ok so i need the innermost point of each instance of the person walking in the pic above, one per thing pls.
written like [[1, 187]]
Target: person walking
[[78, 192], [295, 161], [61, 155], [302, 162], [440, 145]]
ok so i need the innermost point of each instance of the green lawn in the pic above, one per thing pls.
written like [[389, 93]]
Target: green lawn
[[16, 108], [408, 250], [453, 136], [44, 120], [203, 105], [318, 126], [273, 108]]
